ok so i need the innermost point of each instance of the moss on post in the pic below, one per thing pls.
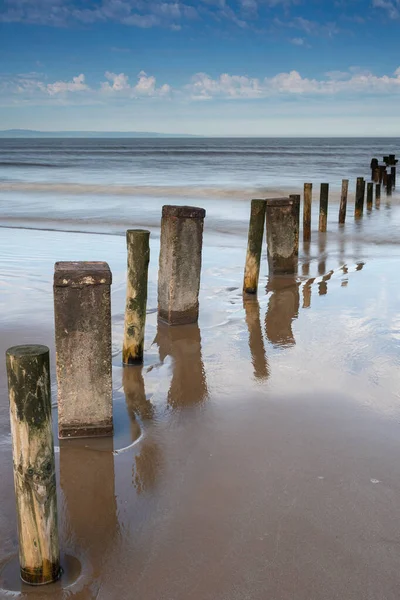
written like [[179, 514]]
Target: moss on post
[[307, 212], [29, 388], [136, 295], [254, 246], [323, 207], [343, 201]]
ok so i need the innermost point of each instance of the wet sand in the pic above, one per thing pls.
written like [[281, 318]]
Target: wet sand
[[255, 455]]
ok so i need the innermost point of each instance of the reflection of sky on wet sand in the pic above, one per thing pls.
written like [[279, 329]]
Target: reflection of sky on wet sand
[[246, 447]]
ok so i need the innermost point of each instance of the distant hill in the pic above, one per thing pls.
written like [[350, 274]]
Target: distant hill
[[30, 133]]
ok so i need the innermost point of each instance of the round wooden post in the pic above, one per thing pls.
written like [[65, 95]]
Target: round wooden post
[[393, 174], [377, 195], [254, 246], [359, 203], [283, 234], [389, 184], [370, 194], [323, 207], [137, 241], [343, 201], [28, 374], [307, 212]]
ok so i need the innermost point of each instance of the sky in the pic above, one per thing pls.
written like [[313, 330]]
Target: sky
[[205, 67]]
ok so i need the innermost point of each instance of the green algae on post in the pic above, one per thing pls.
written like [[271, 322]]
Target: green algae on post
[[136, 295], [254, 246], [343, 201], [28, 374], [82, 308], [323, 207], [180, 264]]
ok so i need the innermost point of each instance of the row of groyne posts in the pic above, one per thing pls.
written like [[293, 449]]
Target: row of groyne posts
[[82, 307]]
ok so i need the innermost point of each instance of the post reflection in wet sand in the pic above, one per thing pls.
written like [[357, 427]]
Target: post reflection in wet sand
[[283, 308], [89, 503], [323, 285], [135, 394], [183, 344], [322, 253], [256, 340]]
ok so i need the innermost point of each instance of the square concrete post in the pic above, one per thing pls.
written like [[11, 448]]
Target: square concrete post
[[283, 234], [180, 264], [82, 307]]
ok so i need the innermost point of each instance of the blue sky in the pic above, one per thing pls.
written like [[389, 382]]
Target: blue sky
[[214, 67]]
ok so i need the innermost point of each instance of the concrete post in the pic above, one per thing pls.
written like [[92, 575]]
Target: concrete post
[[343, 201], [307, 212], [359, 202], [323, 207], [28, 373], [180, 264], [137, 241], [370, 194], [283, 234], [254, 246], [82, 307]]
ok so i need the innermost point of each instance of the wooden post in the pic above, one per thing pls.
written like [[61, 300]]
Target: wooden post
[[359, 203], [389, 184], [323, 207], [254, 246], [28, 374], [283, 234], [82, 308], [137, 241], [343, 201], [180, 264], [378, 195], [370, 194], [307, 212], [393, 174]]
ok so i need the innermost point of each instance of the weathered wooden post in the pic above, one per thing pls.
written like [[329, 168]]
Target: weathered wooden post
[[393, 174], [283, 234], [359, 203], [374, 167], [28, 374], [378, 195], [323, 207], [254, 246], [82, 308], [307, 212], [389, 184], [137, 241], [370, 194], [343, 201], [180, 264]]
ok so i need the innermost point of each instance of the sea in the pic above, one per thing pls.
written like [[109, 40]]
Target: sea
[[106, 185]]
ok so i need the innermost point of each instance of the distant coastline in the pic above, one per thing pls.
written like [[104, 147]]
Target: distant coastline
[[30, 133]]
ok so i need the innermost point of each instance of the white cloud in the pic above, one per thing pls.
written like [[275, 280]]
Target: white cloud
[[145, 86], [60, 87], [203, 87], [298, 41], [118, 82], [391, 6]]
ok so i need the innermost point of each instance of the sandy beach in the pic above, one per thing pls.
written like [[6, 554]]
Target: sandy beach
[[256, 454]]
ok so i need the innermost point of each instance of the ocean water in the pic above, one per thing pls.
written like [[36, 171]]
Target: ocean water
[[106, 185]]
